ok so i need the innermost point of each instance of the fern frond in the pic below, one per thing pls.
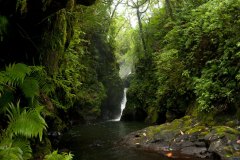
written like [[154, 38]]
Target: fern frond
[[17, 149], [30, 88], [1, 82], [24, 145], [16, 73], [39, 69], [47, 87], [45, 82], [56, 156], [26, 123], [13, 111], [5, 99], [13, 153]]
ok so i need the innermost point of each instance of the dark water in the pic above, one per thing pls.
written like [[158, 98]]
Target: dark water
[[100, 142]]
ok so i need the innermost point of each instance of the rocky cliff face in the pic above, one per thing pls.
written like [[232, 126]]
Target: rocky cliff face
[[27, 21]]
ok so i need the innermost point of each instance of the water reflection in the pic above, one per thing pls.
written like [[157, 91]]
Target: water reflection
[[100, 142]]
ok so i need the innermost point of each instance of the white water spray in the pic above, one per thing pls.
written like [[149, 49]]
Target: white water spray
[[123, 104]]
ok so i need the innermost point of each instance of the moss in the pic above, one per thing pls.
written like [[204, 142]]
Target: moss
[[171, 128], [196, 129], [225, 129], [204, 133], [153, 115], [236, 153], [206, 118], [55, 40], [230, 123], [21, 6], [188, 121]]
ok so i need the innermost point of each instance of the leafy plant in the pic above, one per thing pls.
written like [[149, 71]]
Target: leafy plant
[[56, 156], [3, 27], [16, 149], [27, 123]]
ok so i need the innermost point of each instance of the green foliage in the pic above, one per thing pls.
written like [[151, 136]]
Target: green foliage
[[218, 86], [30, 88], [17, 149], [14, 74], [24, 123], [21, 6], [196, 57], [3, 27], [77, 79], [56, 156], [28, 123]]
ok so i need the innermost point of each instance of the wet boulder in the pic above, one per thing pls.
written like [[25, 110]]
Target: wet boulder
[[187, 138]]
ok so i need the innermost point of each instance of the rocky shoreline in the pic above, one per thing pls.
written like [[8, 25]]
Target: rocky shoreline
[[187, 138]]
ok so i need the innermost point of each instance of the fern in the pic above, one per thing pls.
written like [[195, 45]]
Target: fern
[[3, 27], [6, 97], [30, 88], [45, 83], [7, 151], [17, 149], [13, 153], [56, 156], [24, 145], [26, 123], [16, 73]]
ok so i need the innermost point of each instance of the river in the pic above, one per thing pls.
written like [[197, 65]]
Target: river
[[100, 142]]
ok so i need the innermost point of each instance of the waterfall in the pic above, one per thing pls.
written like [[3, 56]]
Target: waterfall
[[123, 105]]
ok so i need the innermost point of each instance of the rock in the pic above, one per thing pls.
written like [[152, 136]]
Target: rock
[[200, 144], [187, 144], [197, 140], [195, 151], [214, 146]]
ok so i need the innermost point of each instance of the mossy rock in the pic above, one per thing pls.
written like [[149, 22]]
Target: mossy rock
[[197, 129], [152, 115], [221, 130], [230, 123]]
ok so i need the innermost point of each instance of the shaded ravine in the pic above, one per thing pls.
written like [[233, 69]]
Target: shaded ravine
[[101, 142]]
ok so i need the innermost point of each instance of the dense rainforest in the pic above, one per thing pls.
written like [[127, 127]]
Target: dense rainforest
[[58, 68], [65, 62]]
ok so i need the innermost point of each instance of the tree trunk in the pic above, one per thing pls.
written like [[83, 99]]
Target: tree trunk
[[169, 8], [141, 31]]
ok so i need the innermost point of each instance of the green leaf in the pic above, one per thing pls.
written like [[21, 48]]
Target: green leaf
[[30, 88], [26, 123], [16, 73], [56, 156]]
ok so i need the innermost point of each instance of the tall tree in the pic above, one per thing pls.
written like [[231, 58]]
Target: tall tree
[[141, 7]]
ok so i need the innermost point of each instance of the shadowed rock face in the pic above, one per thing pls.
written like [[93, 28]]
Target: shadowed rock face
[[27, 23], [8, 7]]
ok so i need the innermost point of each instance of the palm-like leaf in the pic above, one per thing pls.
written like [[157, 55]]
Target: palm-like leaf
[[26, 123]]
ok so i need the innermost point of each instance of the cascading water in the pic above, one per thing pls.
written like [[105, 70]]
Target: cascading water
[[123, 104]]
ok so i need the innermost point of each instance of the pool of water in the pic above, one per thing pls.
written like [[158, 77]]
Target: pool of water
[[100, 142]]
